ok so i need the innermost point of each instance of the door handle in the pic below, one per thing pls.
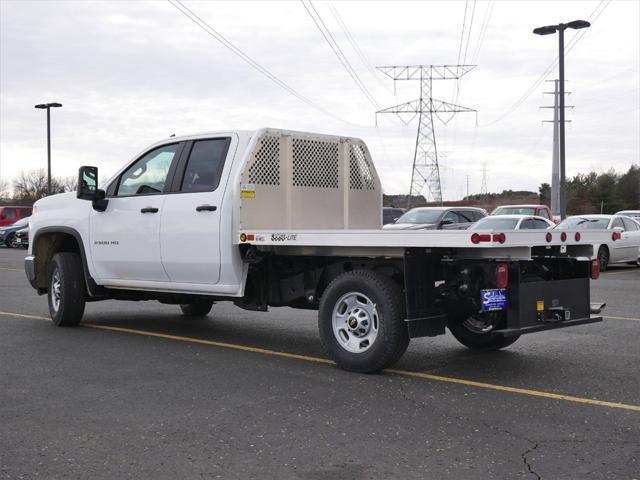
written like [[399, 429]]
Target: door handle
[[206, 208], [149, 210]]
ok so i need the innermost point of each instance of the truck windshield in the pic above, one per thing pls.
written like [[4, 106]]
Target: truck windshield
[[420, 216], [488, 223], [514, 211], [582, 223]]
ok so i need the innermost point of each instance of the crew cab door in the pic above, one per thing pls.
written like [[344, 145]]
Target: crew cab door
[[125, 238], [190, 229]]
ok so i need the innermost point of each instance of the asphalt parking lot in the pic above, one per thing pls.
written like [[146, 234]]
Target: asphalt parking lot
[[141, 392]]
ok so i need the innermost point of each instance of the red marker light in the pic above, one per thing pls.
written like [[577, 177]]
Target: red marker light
[[499, 237], [563, 236], [595, 269], [477, 238], [577, 236], [502, 275]]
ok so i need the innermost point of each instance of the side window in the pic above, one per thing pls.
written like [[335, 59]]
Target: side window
[[540, 224], [543, 213], [453, 216], [25, 212], [9, 213], [527, 224], [205, 165], [630, 225], [148, 174], [617, 222], [465, 216]]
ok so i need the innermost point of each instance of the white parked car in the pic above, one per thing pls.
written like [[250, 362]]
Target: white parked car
[[624, 246], [635, 214], [512, 222]]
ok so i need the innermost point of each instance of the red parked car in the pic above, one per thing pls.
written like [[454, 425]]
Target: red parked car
[[538, 210], [9, 215]]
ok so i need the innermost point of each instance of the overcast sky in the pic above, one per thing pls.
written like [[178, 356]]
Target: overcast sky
[[132, 73]]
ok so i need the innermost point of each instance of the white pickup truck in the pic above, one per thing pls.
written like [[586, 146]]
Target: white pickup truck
[[283, 218]]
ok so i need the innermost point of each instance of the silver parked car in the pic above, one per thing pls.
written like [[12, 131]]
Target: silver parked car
[[513, 222]]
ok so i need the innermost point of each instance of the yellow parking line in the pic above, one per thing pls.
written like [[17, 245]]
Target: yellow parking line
[[307, 358]]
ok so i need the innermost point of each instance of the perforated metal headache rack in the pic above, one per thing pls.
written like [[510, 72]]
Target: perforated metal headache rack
[[296, 180]]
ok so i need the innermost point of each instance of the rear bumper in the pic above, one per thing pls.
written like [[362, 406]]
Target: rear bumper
[[512, 332], [30, 270]]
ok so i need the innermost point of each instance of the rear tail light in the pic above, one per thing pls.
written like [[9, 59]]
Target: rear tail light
[[595, 269], [477, 238], [502, 275], [616, 236], [577, 236], [549, 236], [563, 236], [499, 237]]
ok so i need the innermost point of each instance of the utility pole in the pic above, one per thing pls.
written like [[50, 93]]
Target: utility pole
[[426, 169], [467, 187], [555, 199]]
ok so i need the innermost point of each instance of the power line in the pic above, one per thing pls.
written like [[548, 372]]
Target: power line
[[347, 32], [572, 43], [483, 31], [250, 61], [331, 41]]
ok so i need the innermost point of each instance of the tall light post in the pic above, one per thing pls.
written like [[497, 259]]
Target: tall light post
[[560, 28], [48, 106]]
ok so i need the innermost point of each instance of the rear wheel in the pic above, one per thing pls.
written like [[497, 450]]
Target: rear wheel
[[66, 292], [475, 332], [361, 321], [603, 258], [198, 308]]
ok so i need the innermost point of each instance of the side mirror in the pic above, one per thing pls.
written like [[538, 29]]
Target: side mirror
[[88, 188], [446, 221], [87, 183]]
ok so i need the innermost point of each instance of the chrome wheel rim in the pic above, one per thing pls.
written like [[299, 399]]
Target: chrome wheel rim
[[55, 290], [355, 322], [478, 324]]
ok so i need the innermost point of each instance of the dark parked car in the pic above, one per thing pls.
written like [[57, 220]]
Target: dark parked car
[[438, 218], [22, 238], [391, 214], [8, 233]]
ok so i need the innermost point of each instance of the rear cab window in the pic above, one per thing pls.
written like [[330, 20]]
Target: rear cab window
[[205, 164]]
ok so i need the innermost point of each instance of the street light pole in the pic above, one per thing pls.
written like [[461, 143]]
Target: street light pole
[[48, 107], [560, 28], [563, 185]]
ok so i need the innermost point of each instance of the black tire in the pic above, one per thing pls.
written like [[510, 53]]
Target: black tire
[[10, 241], [197, 308], [67, 300], [603, 258], [475, 340], [392, 336]]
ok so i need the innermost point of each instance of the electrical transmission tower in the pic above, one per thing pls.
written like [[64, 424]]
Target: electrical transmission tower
[[483, 189], [426, 170]]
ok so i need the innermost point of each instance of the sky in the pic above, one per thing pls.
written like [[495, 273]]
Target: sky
[[130, 73]]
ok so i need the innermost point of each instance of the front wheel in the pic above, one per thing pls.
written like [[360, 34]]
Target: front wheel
[[11, 241], [361, 321], [66, 292], [475, 332]]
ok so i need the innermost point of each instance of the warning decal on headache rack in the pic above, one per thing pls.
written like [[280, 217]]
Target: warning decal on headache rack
[[493, 299], [247, 190]]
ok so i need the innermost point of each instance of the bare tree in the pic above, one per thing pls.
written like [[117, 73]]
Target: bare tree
[[69, 184], [5, 191], [32, 185]]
